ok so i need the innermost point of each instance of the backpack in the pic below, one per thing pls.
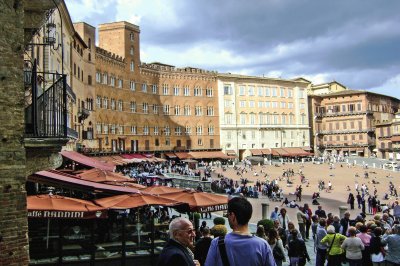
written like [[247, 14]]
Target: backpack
[[277, 253]]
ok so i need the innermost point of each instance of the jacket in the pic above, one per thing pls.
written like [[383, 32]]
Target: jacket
[[174, 254], [336, 248]]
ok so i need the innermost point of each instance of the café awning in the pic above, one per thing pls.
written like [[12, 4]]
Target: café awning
[[395, 138], [54, 206], [60, 179], [266, 151], [130, 201], [256, 152], [87, 161], [208, 155], [183, 155], [102, 176], [200, 201], [170, 155], [160, 190]]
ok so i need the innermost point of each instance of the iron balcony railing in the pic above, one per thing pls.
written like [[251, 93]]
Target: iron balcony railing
[[348, 113], [46, 113], [345, 131]]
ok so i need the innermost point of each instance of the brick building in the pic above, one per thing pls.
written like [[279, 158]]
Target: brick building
[[388, 139], [150, 107], [344, 122], [32, 133]]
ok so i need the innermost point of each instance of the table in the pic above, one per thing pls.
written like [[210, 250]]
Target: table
[[115, 244], [72, 247], [156, 242]]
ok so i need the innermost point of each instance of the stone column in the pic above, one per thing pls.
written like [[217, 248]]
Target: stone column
[[342, 210], [265, 210]]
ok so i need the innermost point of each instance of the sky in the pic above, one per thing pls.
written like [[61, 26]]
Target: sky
[[353, 42]]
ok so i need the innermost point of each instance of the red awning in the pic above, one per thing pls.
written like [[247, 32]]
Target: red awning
[[208, 155], [256, 152], [54, 206], [170, 155], [280, 152], [87, 161], [183, 155], [133, 156], [265, 151], [395, 138], [60, 179]]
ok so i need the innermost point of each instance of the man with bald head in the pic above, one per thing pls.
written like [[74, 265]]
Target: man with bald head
[[178, 251]]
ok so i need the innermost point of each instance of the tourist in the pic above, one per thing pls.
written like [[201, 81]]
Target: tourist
[[202, 245], [308, 212], [377, 248], [320, 212], [274, 214], [301, 220], [297, 250], [336, 223], [261, 232], [277, 246], [366, 239], [283, 219], [353, 247], [345, 223], [392, 239], [320, 248], [239, 247], [333, 241], [177, 251]]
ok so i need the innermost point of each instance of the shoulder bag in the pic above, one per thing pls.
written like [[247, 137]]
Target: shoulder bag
[[222, 251]]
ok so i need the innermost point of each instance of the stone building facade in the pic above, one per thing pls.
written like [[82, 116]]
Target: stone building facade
[[344, 122], [388, 139], [150, 107], [23, 150], [258, 112]]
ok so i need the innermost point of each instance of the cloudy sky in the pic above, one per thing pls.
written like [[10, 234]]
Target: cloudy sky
[[355, 42]]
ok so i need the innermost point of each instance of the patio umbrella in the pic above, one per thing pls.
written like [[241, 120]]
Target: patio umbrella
[[101, 176], [126, 184], [200, 201], [55, 206], [160, 190], [130, 201], [59, 207]]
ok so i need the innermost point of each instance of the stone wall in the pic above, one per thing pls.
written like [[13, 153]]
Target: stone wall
[[13, 221]]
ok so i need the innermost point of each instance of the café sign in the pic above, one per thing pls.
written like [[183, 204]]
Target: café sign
[[57, 214], [220, 207]]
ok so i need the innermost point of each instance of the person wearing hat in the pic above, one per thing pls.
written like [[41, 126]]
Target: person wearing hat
[[334, 243]]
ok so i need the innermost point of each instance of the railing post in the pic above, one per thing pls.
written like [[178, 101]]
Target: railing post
[[64, 90]]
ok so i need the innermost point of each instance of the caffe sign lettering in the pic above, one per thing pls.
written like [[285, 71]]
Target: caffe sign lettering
[[214, 208], [55, 214]]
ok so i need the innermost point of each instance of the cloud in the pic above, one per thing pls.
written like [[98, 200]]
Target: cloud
[[319, 40]]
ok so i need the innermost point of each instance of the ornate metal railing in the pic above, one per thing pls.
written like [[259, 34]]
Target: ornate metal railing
[[46, 113]]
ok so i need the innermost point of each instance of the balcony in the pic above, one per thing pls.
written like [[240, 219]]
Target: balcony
[[46, 110], [72, 134], [346, 145], [83, 113], [344, 131], [349, 113]]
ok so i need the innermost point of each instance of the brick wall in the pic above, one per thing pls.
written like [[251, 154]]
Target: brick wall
[[13, 221]]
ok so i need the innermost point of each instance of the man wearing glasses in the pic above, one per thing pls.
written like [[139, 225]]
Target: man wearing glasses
[[178, 251], [240, 247]]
